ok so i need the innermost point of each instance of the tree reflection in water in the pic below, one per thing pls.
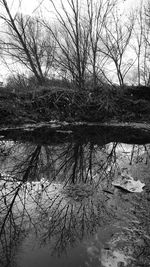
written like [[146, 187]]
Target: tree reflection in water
[[60, 192]]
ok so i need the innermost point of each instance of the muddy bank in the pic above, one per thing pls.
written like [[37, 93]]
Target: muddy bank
[[109, 103]]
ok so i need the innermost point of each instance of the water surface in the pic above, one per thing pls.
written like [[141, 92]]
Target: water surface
[[59, 206]]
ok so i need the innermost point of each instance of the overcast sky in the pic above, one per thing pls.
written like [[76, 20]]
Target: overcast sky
[[31, 7]]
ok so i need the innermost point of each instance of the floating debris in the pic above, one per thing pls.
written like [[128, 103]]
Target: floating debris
[[128, 183], [113, 258]]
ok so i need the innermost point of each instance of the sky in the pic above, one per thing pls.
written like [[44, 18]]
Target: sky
[[30, 7]]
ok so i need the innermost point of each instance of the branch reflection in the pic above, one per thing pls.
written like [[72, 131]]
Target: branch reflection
[[61, 193]]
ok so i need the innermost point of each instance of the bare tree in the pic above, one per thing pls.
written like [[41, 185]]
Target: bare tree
[[79, 27], [145, 69], [98, 13], [114, 42], [28, 42], [140, 44], [72, 40], [138, 39]]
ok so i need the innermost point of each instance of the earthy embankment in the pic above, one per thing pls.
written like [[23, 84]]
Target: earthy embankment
[[131, 104]]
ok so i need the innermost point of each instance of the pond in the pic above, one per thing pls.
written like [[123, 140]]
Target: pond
[[75, 198]]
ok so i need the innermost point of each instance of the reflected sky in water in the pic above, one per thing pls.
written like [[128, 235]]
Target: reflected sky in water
[[59, 207]]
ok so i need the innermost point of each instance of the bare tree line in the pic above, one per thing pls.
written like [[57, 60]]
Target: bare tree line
[[88, 41]]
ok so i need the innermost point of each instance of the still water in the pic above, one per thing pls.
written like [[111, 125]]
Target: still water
[[62, 204]]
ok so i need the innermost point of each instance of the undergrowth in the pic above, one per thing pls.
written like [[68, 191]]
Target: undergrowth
[[70, 105]]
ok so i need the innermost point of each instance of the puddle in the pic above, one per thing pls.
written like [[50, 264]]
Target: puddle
[[65, 205]]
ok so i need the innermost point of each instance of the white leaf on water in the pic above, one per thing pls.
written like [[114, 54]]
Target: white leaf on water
[[111, 258], [128, 183]]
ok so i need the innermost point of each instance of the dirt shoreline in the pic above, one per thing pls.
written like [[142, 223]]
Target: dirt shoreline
[[63, 124]]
